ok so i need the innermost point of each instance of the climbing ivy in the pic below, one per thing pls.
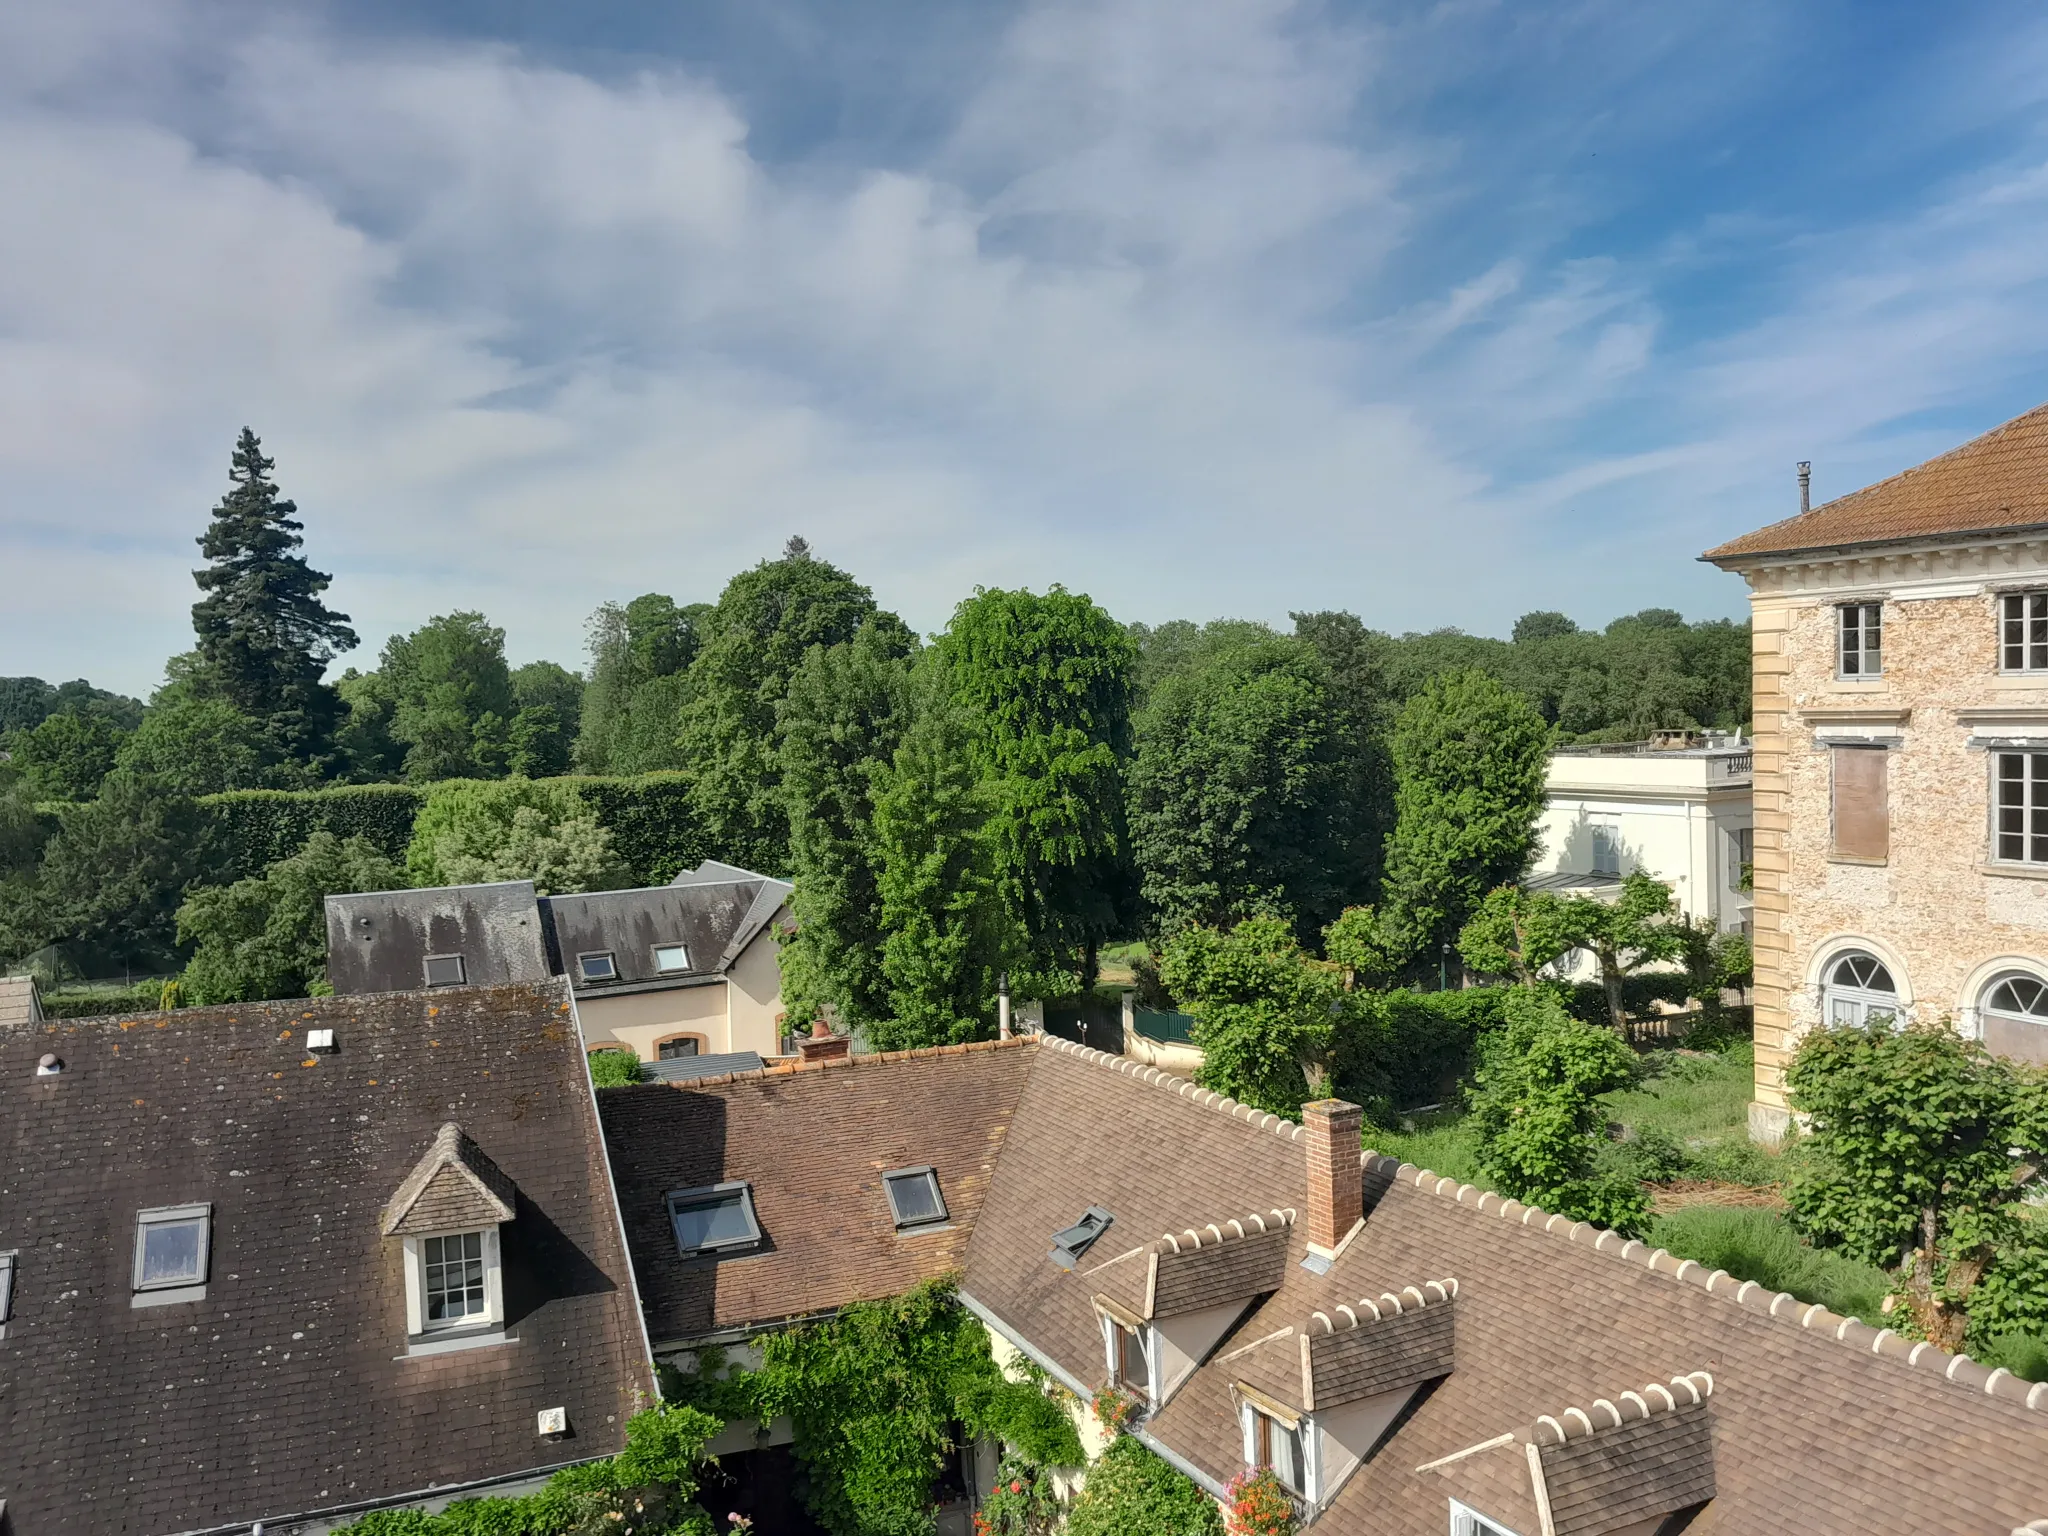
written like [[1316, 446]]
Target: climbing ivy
[[875, 1396]]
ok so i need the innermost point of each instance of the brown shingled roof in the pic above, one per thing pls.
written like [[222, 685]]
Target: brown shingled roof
[[1991, 484], [1819, 1423], [814, 1144]]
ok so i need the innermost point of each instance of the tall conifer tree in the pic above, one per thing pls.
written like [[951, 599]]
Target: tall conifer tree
[[265, 638]]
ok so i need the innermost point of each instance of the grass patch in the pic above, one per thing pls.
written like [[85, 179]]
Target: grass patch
[[1761, 1246], [1698, 1105], [1444, 1143], [2024, 1354]]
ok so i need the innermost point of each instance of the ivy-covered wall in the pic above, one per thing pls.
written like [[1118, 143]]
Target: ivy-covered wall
[[649, 819]]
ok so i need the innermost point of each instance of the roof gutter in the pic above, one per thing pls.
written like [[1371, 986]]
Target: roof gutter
[[1761, 556], [390, 1501], [1073, 1384]]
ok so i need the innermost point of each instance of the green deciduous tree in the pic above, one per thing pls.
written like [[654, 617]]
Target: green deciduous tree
[[1469, 759], [1244, 795], [765, 622], [1535, 1105], [66, 756], [1359, 941], [265, 638], [948, 931], [1131, 1492], [631, 708], [201, 746], [1518, 932], [451, 696], [841, 722], [1045, 684], [1915, 1131], [541, 830], [1265, 1013], [266, 936], [26, 702]]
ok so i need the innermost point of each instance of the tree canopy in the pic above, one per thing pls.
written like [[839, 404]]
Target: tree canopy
[[541, 830], [1264, 1015]]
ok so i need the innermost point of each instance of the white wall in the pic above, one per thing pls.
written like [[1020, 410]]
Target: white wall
[[1674, 825]]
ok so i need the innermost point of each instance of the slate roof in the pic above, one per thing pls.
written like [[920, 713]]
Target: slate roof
[[378, 941], [1996, 483], [19, 1001], [813, 1142], [713, 919], [455, 1186], [1818, 1423], [279, 1392], [683, 1069]]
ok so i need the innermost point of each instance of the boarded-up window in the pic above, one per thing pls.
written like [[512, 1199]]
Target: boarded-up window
[[1863, 824]]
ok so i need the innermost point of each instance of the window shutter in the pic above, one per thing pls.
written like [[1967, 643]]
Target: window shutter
[[1862, 812]]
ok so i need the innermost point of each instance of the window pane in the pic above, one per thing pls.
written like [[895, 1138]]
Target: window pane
[[671, 1050], [444, 971], [915, 1199], [708, 1222], [170, 1253], [671, 957]]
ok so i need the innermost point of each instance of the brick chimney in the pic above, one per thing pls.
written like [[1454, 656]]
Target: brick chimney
[[821, 1047], [1336, 1185]]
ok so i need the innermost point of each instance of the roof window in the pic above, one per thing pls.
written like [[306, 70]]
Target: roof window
[[172, 1246], [714, 1221], [7, 1263], [1068, 1245], [670, 958], [914, 1197], [598, 967], [446, 971]]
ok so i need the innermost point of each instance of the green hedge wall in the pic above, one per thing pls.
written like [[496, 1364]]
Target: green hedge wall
[[649, 819], [1398, 1050]]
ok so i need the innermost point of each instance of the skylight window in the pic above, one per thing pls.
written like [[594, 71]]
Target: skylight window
[[715, 1220], [1070, 1244], [446, 971], [670, 958], [7, 1262], [598, 967], [171, 1251], [914, 1197]]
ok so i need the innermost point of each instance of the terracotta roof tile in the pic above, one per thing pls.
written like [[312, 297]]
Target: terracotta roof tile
[[1994, 483]]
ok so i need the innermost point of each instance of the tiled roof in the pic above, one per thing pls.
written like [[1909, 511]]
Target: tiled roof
[[19, 1003], [814, 1143], [1819, 1423], [455, 1185], [1992, 483], [281, 1391]]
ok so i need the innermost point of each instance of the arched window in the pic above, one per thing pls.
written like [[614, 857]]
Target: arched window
[[2014, 1015], [1859, 990]]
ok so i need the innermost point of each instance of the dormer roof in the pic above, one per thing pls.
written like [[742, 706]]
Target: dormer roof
[[454, 1187], [1355, 1350], [1211, 1265]]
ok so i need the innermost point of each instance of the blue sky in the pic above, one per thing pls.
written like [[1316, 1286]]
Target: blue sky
[[1436, 312]]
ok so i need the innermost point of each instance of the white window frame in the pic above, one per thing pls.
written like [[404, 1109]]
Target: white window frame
[[1867, 620], [1466, 1521], [155, 1293], [461, 971], [2032, 803], [1113, 1333], [2020, 616], [1861, 999], [671, 970], [1306, 1442], [1605, 829], [417, 1324], [710, 1194], [904, 1175], [609, 957]]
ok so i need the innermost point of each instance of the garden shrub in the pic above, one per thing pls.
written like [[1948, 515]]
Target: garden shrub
[[101, 1002], [474, 832], [615, 1068], [1760, 1245], [1131, 1492], [1401, 1049]]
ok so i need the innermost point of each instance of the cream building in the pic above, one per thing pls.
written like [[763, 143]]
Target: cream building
[[1901, 755], [1676, 807]]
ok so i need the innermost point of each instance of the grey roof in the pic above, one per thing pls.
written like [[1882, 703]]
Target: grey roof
[[714, 912], [687, 1069], [379, 941]]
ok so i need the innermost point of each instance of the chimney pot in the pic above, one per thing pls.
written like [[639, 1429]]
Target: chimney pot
[[822, 1047], [1805, 485], [1336, 1181]]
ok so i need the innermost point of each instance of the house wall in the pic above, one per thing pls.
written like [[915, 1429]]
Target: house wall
[[1350, 1431], [1185, 1342], [1944, 920], [644, 1019], [754, 992], [1672, 821]]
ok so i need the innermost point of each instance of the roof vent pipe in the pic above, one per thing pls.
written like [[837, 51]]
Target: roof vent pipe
[[49, 1066], [1806, 485]]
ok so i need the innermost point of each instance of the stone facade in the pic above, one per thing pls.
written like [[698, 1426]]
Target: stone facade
[[1945, 919]]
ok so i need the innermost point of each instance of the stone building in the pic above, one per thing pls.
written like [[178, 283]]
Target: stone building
[[1901, 755]]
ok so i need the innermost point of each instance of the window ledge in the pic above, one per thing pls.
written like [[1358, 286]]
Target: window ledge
[[1850, 858], [2014, 871], [168, 1297], [420, 1344]]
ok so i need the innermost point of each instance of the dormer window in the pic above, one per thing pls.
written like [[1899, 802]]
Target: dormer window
[[447, 1215], [1131, 1367], [669, 959], [1276, 1442], [598, 967], [446, 971], [1469, 1522], [172, 1246]]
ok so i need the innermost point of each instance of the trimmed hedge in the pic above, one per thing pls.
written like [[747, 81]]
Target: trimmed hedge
[[649, 818]]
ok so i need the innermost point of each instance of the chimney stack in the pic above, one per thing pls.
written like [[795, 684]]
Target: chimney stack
[[1336, 1181], [1806, 485], [822, 1047]]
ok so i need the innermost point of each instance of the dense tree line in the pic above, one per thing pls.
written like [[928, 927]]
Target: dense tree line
[[1006, 797]]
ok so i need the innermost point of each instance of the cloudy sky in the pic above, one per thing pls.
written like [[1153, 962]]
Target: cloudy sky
[[1434, 311]]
